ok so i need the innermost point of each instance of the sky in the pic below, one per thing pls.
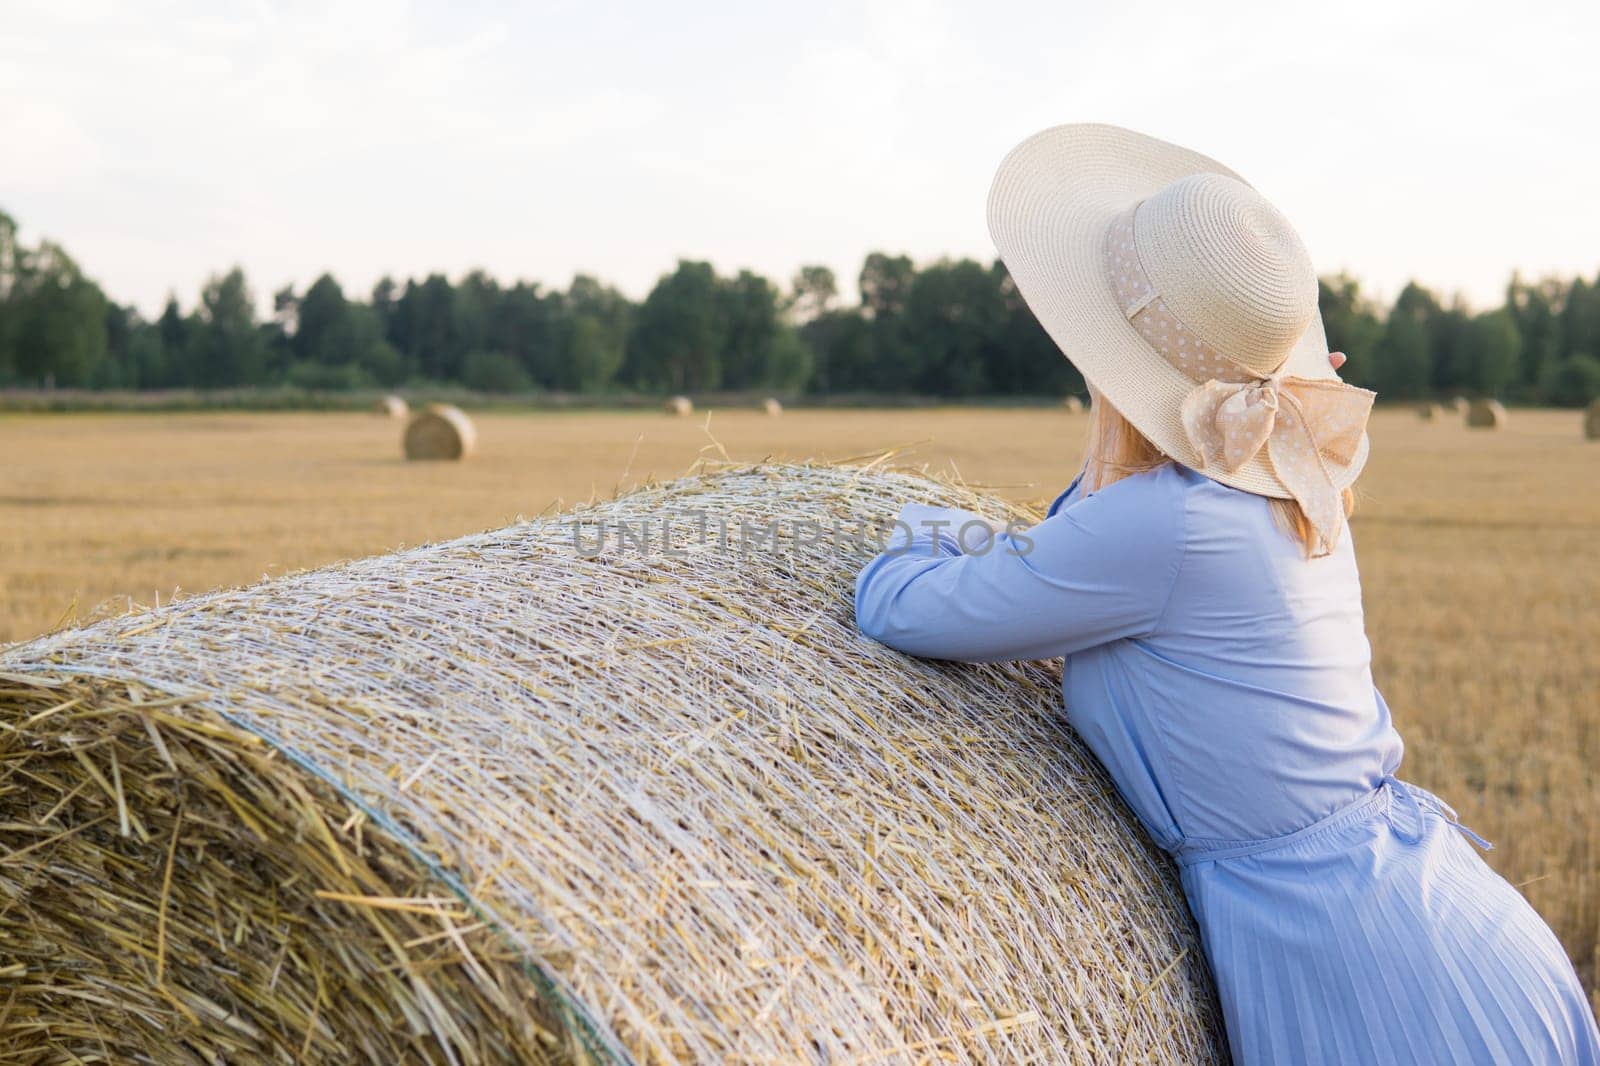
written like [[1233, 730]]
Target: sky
[[161, 143]]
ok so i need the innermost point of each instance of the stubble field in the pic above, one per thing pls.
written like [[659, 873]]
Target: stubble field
[[1478, 551]]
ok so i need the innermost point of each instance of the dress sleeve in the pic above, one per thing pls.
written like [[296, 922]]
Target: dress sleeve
[[1093, 573]]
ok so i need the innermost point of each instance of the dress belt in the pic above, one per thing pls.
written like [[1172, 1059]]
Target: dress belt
[[1414, 796]]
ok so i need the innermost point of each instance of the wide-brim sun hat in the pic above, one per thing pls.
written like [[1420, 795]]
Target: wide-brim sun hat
[[1189, 302]]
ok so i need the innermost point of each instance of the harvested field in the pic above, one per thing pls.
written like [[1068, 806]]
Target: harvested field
[[1478, 555]]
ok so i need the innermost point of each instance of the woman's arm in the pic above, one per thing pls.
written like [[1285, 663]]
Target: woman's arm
[[1098, 571]]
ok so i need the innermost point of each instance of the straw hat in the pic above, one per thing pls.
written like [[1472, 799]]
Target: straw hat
[[1189, 302]]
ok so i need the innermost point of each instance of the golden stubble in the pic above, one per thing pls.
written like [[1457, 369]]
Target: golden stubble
[[1478, 553]]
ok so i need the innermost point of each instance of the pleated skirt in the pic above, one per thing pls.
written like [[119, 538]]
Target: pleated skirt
[[1384, 937]]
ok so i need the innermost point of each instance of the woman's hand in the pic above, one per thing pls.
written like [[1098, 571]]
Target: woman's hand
[[1337, 359]]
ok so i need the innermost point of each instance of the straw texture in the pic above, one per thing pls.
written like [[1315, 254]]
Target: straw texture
[[1230, 266], [603, 787], [1050, 204]]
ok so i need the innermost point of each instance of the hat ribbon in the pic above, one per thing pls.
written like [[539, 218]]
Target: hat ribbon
[[1234, 413]]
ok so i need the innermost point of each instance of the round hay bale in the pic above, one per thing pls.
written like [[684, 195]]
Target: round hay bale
[[1486, 414], [440, 432], [1591, 420], [1073, 404], [771, 406], [576, 789], [1459, 404], [391, 406], [679, 405], [1430, 412]]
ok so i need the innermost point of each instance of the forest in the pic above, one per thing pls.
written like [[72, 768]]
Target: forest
[[952, 328]]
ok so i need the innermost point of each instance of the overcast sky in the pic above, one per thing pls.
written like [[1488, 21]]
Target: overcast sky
[[162, 142]]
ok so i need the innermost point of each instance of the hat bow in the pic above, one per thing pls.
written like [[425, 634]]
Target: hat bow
[[1300, 422]]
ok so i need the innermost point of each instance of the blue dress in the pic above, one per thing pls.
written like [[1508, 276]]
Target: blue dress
[[1224, 681]]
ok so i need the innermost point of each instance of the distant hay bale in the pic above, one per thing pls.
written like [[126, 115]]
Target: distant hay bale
[[1459, 404], [440, 432], [1430, 412], [679, 405], [1073, 404], [392, 406], [771, 406], [1591, 420], [556, 793], [1486, 414]]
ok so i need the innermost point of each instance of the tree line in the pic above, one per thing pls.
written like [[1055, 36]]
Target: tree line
[[951, 328]]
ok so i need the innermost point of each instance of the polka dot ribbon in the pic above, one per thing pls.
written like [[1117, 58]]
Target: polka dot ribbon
[[1233, 412]]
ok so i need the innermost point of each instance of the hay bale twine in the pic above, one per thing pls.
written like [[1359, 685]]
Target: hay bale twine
[[556, 793], [1486, 414], [1073, 405], [440, 431], [771, 406], [679, 405], [391, 406], [1430, 412], [1591, 420]]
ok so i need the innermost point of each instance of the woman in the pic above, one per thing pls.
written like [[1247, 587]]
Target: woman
[[1200, 582]]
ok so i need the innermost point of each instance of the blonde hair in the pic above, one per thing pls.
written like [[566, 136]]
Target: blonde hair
[[1116, 449]]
